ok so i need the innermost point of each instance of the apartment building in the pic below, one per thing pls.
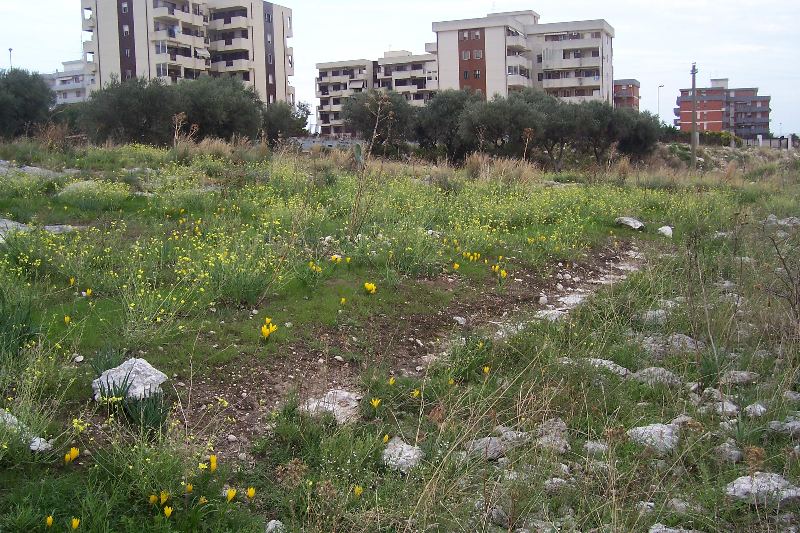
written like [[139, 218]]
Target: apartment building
[[183, 39], [740, 111], [506, 52], [415, 76], [71, 85], [626, 94]]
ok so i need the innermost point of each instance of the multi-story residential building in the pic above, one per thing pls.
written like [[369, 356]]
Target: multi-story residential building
[[740, 111], [336, 81], [504, 52], [413, 75], [626, 94], [184, 39], [72, 85]]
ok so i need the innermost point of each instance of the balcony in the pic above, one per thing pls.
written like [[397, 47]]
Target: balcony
[[290, 61], [518, 61], [231, 23], [517, 42], [89, 24], [232, 65], [89, 47], [69, 86], [228, 45], [563, 83], [518, 81], [560, 64]]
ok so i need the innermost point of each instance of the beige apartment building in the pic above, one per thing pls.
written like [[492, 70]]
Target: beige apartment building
[[504, 52], [183, 39], [73, 84]]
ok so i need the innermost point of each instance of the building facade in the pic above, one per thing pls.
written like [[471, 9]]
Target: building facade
[[183, 39], [72, 85], [506, 52], [626, 94], [742, 111]]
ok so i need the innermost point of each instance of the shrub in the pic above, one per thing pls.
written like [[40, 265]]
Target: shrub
[[94, 195]]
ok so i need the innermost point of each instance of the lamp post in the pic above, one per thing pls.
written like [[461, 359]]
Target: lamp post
[[10, 63], [659, 101]]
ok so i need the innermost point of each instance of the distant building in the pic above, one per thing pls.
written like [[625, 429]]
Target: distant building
[[72, 85], [626, 94], [185, 39], [740, 111]]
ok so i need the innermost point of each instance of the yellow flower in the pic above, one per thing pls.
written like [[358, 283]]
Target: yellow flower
[[167, 511], [73, 454], [163, 497], [88, 293], [336, 258], [371, 288], [358, 491], [67, 458], [251, 493], [71, 281], [48, 521], [486, 370], [375, 402], [342, 300], [268, 329], [392, 381], [451, 381], [230, 495], [415, 393], [75, 522], [348, 260], [67, 320], [503, 274], [456, 266], [386, 438], [202, 466], [189, 488], [213, 461], [153, 499], [203, 500]]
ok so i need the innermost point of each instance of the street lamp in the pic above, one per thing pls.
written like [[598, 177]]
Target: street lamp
[[659, 101], [10, 64]]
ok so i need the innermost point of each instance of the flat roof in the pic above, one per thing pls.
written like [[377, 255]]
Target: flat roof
[[629, 81], [576, 25], [344, 63]]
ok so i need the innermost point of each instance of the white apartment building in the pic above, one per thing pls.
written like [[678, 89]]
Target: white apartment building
[[184, 39], [414, 76], [336, 81], [71, 85], [504, 52]]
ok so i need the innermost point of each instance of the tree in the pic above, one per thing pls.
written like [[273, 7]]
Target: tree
[[25, 100], [599, 126], [283, 120], [131, 111], [484, 125], [381, 118], [642, 136], [438, 122], [220, 107], [554, 123]]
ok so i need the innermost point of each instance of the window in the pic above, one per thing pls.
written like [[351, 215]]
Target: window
[[127, 52], [124, 7], [161, 47], [477, 54], [269, 17], [271, 79], [596, 35], [269, 38], [595, 53], [269, 59], [128, 74], [126, 30], [466, 74], [566, 54], [465, 35], [477, 74], [541, 76], [476, 34], [465, 55]]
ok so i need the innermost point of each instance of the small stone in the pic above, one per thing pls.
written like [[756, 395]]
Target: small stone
[[232, 438], [629, 222], [595, 448], [728, 452], [401, 456], [661, 528], [141, 377], [763, 488], [655, 317], [338, 358], [555, 485], [342, 404], [78, 359], [791, 396], [242, 456], [666, 231], [461, 321], [738, 377], [275, 526], [756, 410], [543, 300], [661, 438], [490, 448], [645, 507], [656, 376]]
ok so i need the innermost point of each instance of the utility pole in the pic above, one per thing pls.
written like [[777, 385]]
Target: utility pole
[[694, 116], [659, 102], [10, 64]]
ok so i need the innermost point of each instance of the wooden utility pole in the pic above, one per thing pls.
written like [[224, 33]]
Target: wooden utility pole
[[694, 116]]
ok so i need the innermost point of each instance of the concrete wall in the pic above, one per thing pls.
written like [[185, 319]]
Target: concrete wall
[[449, 72], [496, 71]]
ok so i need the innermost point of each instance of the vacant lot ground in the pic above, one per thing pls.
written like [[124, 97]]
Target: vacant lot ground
[[506, 355]]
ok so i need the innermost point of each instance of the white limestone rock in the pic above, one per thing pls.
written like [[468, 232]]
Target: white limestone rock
[[661, 528], [610, 366], [140, 376], [666, 231], [595, 448], [728, 452], [630, 222], [661, 438], [35, 444], [656, 376], [490, 448], [275, 526], [763, 488], [738, 377], [655, 317], [551, 436], [401, 456], [756, 410], [342, 404]]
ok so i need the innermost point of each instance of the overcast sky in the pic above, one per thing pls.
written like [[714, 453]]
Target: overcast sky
[[753, 44]]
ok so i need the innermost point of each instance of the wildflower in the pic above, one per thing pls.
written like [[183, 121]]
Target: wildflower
[[342, 300], [189, 488], [386, 438], [167, 511], [202, 466], [213, 462], [153, 499], [358, 491], [486, 370], [49, 521], [74, 453], [203, 500], [251, 493], [75, 522], [268, 329], [503, 274], [371, 288], [348, 260], [67, 320], [230, 495], [451, 381], [456, 266], [415, 393], [375, 402], [163, 497], [336, 259], [392, 381], [88, 293], [71, 281]]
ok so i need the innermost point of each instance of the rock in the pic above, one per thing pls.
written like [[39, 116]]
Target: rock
[[661, 528], [682, 421], [655, 317], [141, 378], [338, 358], [552, 315], [401, 456], [645, 507], [762, 489], [611, 366], [728, 452], [543, 300], [756, 410], [791, 396], [661, 438], [555, 485], [511, 437], [722, 408], [656, 376], [460, 320], [629, 222], [275, 526], [683, 343], [78, 359], [666, 231], [490, 448], [676, 505], [13, 425], [342, 404], [551, 436], [595, 448], [790, 427], [738, 377], [232, 438]]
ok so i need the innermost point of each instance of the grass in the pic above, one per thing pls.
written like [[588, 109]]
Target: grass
[[186, 274]]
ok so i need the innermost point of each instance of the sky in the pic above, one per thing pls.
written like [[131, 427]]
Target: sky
[[754, 45]]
